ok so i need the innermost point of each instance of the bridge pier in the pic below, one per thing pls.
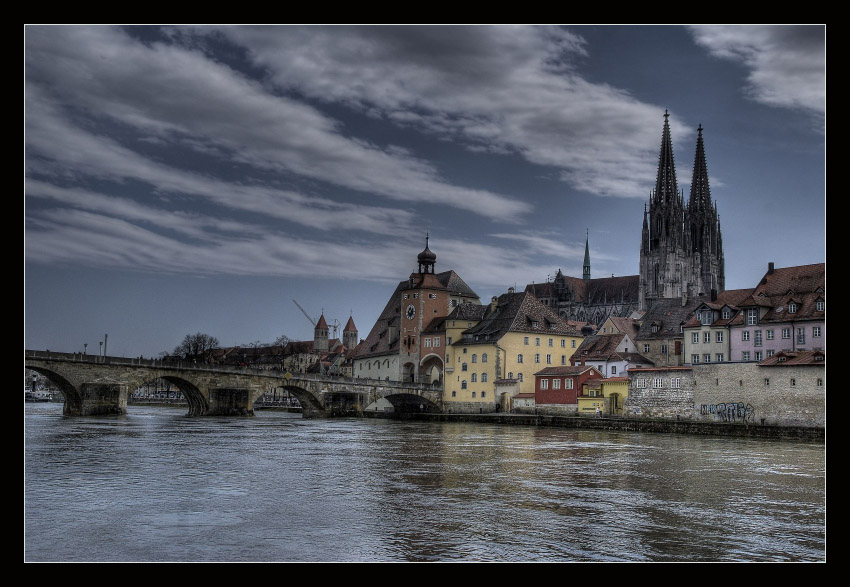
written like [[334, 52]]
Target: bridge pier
[[230, 401], [97, 399]]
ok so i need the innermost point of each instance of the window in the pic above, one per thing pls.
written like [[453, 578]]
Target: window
[[769, 334], [464, 350], [786, 333], [793, 382], [820, 305], [483, 394], [801, 336], [770, 352], [657, 383], [473, 394], [519, 358], [556, 383], [427, 342], [573, 343], [548, 359], [436, 342], [640, 383], [726, 313], [474, 377], [718, 358], [613, 369], [510, 374], [718, 336], [766, 381], [525, 341], [792, 308], [463, 367], [816, 331], [695, 338], [563, 359], [519, 377], [706, 337], [463, 384], [454, 394], [752, 316], [646, 348], [544, 383], [563, 343], [537, 341], [745, 335], [449, 340], [820, 382], [483, 357], [694, 359], [568, 383], [745, 356], [758, 338], [536, 357], [483, 378], [706, 358], [675, 382], [758, 356], [474, 358]]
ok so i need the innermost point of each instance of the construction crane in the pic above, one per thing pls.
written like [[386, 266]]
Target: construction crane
[[313, 322], [335, 325]]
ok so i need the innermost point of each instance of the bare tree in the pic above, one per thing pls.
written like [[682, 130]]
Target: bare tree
[[196, 346]]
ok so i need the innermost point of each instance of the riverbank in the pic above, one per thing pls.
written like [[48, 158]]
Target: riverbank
[[633, 425]]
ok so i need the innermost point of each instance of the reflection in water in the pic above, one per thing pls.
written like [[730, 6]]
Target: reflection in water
[[157, 486]]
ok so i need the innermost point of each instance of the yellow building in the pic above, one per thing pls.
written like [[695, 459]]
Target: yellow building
[[603, 396], [513, 337]]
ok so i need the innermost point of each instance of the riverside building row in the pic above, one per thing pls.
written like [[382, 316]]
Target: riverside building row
[[573, 345]]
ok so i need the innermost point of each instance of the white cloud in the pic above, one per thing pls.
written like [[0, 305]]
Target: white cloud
[[178, 95], [499, 89], [787, 64]]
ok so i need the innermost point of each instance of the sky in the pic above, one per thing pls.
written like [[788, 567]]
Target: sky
[[184, 179]]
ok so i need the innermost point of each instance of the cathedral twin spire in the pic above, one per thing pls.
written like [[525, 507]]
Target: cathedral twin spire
[[681, 248]]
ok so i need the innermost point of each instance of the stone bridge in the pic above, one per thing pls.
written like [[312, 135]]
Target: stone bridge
[[94, 385]]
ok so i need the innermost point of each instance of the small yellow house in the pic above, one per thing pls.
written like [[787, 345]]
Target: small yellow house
[[603, 396], [514, 337]]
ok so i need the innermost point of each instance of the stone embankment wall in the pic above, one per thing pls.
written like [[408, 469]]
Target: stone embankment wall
[[732, 393]]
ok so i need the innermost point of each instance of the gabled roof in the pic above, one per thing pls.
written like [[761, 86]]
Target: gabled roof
[[516, 312], [792, 358], [627, 326], [600, 290], [567, 370], [667, 316]]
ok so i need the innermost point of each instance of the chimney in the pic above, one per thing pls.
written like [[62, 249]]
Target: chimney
[[510, 290], [713, 295], [494, 302], [770, 268]]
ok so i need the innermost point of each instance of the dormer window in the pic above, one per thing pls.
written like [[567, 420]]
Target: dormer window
[[820, 305], [726, 313], [792, 307]]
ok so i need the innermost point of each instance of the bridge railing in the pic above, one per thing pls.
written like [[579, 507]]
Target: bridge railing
[[273, 370]]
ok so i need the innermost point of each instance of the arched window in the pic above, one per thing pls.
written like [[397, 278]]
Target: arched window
[[463, 384], [474, 358], [475, 377], [483, 357], [519, 358], [463, 367], [483, 378]]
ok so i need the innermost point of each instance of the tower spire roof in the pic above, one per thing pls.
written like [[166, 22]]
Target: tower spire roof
[[700, 192], [666, 187]]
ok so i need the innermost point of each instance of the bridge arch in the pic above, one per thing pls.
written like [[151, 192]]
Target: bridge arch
[[73, 399], [431, 369], [411, 403]]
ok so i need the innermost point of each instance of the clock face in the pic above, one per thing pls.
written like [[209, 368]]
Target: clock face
[[411, 312]]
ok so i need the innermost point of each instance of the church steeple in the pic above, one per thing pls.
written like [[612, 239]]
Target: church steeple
[[586, 272], [666, 187], [700, 192]]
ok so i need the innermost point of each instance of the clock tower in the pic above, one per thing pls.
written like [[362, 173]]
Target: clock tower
[[422, 300]]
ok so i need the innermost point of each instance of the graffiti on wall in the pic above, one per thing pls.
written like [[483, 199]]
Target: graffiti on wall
[[729, 412]]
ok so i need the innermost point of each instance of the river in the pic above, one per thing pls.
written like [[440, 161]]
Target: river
[[155, 485]]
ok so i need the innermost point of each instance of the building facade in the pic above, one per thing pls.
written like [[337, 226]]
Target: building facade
[[681, 252]]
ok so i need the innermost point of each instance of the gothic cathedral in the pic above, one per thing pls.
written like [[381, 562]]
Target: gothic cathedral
[[681, 252]]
